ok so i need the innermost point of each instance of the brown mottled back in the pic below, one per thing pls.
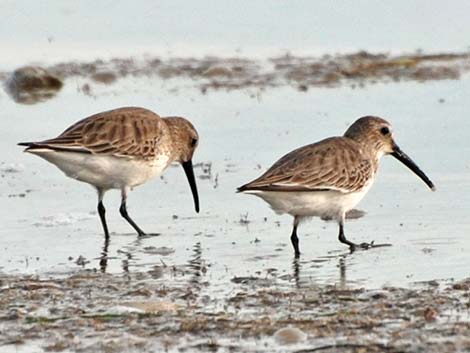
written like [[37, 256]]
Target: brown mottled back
[[336, 163], [125, 132]]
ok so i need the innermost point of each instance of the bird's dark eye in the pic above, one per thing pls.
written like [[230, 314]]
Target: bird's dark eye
[[384, 131], [193, 142]]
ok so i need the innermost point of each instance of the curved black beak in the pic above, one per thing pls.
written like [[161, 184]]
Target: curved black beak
[[188, 169], [402, 157]]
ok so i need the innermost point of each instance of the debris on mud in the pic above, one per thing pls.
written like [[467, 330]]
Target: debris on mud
[[105, 77], [215, 73], [363, 67], [205, 170], [95, 312]]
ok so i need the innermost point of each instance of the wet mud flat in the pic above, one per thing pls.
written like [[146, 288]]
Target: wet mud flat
[[217, 306], [215, 73], [168, 309], [301, 71]]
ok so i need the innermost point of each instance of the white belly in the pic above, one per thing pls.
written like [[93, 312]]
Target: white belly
[[324, 204], [106, 172]]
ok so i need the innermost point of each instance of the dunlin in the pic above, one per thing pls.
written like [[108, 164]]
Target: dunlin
[[328, 178], [121, 149]]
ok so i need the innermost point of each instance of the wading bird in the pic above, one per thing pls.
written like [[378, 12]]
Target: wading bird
[[121, 149], [328, 178]]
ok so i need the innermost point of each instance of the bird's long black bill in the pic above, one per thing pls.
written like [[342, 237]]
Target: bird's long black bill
[[402, 157], [188, 169]]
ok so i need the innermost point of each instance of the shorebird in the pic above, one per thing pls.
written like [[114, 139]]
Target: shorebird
[[121, 149], [328, 178]]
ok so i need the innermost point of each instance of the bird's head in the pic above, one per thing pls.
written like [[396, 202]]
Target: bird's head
[[376, 135], [185, 141]]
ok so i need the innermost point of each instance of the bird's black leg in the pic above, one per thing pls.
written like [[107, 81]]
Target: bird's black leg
[[123, 211], [102, 212], [352, 246], [294, 239], [343, 239]]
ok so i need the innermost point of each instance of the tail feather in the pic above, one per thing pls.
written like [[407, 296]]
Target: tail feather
[[33, 145], [28, 145], [242, 188], [39, 145]]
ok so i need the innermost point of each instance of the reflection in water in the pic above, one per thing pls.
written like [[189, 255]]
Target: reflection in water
[[31, 97], [104, 255], [196, 266], [125, 264], [304, 279], [342, 271], [104, 258], [296, 271]]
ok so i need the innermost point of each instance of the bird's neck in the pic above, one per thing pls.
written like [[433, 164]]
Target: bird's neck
[[176, 132], [371, 147]]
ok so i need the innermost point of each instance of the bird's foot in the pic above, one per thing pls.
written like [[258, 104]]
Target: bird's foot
[[366, 246], [362, 246], [143, 235]]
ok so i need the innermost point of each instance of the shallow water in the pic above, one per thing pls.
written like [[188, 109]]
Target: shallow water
[[49, 221], [57, 31], [226, 279]]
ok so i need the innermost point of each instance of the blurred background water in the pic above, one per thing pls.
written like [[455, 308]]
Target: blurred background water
[[53, 31]]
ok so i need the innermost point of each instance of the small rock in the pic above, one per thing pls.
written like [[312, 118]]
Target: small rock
[[430, 314], [34, 77], [461, 286], [153, 307], [32, 84], [217, 71], [289, 335]]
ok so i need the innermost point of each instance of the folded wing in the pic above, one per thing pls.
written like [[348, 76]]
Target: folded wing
[[331, 164], [124, 132]]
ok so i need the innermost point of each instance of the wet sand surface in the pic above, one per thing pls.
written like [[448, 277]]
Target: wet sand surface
[[225, 279], [172, 309]]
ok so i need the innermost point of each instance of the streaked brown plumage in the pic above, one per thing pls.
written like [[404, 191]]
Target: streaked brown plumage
[[328, 178], [121, 149], [344, 167], [124, 132]]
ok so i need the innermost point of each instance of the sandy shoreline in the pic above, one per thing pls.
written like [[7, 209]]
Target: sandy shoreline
[[167, 309]]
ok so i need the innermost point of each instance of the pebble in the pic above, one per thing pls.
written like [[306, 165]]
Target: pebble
[[289, 335]]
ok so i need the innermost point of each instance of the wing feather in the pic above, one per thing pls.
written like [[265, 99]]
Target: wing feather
[[335, 163], [124, 132]]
